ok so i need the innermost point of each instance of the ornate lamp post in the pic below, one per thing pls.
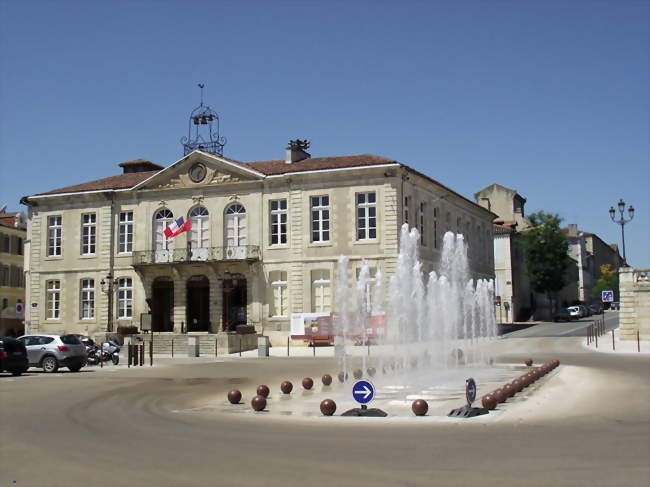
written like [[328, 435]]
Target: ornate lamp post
[[622, 221]]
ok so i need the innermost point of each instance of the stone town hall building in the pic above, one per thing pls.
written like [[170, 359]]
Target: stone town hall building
[[264, 240]]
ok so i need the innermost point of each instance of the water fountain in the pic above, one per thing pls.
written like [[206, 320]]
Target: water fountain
[[429, 335]]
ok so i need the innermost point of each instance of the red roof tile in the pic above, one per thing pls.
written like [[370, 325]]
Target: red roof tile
[[278, 166], [121, 181]]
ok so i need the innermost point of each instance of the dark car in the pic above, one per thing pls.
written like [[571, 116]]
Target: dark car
[[596, 308], [564, 314], [13, 356]]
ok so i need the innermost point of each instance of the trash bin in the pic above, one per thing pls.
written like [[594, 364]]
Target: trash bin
[[192, 346], [263, 346]]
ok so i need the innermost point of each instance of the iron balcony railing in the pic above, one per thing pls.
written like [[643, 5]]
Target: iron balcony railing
[[201, 254]]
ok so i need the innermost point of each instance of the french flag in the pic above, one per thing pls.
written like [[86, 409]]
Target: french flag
[[177, 227]]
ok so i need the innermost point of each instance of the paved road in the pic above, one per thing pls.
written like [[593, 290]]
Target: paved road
[[589, 425], [565, 329]]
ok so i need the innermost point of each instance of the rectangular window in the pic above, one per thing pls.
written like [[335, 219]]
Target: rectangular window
[[54, 234], [366, 216], [125, 232], [53, 297], [421, 223], [407, 201], [320, 218], [321, 296], [125, 297], [279, 303], [88, 233], [435, 228], [4, 275], [87, 299], [19, 246], [278, 220], [6, 244]]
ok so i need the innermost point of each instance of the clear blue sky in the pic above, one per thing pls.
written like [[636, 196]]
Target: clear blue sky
[[547, 97]]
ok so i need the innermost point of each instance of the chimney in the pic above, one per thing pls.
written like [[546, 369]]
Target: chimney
[[296, 151], [572, 230]]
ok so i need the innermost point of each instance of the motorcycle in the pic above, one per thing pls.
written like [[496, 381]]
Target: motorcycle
[[108, 351]]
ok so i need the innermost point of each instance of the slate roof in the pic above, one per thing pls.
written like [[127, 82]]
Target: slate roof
[[278, 166]]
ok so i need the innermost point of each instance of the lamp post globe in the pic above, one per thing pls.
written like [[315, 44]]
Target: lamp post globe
[[622, 221]]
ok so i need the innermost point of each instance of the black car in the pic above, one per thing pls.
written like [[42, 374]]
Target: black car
[[13, 356], [563, 314], [596, 308]]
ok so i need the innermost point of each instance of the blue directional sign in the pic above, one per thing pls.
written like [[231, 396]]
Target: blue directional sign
[[470, 391], [607, 296], [363, 391]]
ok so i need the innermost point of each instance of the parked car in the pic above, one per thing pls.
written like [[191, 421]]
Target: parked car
[[614, 305], [596, 308], [51, 351], [575, 311], [564, 314], [13, 356], [584, 311]]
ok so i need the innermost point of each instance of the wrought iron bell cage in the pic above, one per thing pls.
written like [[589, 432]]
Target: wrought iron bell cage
[[203, 130]]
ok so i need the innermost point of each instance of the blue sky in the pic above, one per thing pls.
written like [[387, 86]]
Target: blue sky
[[550, 98]]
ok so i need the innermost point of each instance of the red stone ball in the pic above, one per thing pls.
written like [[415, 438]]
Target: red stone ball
[[234, 396], [499, 395], [518, 385], [489, 401], [342, 376], [286, 387], [420, 407], [307, 383], [263, 391], [529, 362], [524, 381], [327, 407], [557, 363], [371, 371], [509, 390], [258, 403], [357, 373], [327, 379]]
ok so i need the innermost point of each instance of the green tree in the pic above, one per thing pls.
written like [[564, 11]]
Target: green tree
[[545, 248], [608, 281]]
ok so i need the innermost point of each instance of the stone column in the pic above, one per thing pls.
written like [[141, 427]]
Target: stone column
[[180, 300]]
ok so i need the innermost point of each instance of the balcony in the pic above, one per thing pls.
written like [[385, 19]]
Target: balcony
[[194, 255]]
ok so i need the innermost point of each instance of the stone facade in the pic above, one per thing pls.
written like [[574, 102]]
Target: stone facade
[[12, 278], [228, 269], [634, 287]]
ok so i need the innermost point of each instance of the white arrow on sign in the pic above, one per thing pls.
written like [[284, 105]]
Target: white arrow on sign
[[366, 392]]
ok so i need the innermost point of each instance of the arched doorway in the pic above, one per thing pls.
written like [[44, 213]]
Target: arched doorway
[[162, 304], [234, 302], [198, 304]]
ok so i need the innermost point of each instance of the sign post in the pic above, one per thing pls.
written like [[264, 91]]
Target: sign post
[[468, 411], [363, 392], [607, 296]]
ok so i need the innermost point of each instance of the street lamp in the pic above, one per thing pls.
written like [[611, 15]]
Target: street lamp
[[622, 221]]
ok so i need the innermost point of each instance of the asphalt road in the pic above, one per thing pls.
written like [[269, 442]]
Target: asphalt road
[[565, 329], [588, 426]]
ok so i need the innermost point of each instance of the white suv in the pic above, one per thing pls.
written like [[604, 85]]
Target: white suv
[[575, 311], [50, 352]]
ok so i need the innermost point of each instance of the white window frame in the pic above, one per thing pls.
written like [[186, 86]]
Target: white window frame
[[235, 217], [279, 302], [53, 298], [199, 227], [278, 220], [54, 235], [321, 291], [366, 215], [125, 232], [162, 218], [88, 233], [87, 299], [320, 218], [124, 298]]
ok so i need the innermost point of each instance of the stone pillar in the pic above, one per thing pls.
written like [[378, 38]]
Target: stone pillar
[[634, 290], [180, 300]]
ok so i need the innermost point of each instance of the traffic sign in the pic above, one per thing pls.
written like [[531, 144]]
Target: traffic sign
[[363, 391], [470, 391], [607, 296]]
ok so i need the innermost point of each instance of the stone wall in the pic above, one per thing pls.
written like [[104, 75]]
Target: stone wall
[[634, 286]]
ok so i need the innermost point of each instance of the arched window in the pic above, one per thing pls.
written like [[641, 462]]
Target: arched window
[[199, 227], [161, 220], [235, 225]]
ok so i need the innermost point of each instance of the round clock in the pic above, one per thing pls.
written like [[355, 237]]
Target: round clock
[[197, 173]]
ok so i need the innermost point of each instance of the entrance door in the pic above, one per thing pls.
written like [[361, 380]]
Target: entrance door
[[198, 304], [234, 303], [162, 305]]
